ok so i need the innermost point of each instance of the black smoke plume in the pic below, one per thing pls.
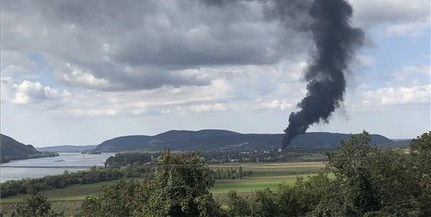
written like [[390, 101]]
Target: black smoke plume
[[335, 41]]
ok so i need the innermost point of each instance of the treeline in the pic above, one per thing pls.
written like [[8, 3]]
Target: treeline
[[294, 155], [221, 157], [93, 175], [230, 173], [136, 160], [130, 158]]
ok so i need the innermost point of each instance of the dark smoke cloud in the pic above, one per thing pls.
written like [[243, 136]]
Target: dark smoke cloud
[[335, 42], [334, 39]]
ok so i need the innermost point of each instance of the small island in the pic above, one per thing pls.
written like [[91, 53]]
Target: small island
[[91, 152]]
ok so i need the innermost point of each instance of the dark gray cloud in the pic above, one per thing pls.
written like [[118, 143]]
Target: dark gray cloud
[[131, 45], [134, 44]]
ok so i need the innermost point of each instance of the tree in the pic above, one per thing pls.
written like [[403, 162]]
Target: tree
[[237, 206], [263, 204], [371, 181], [35, 205], [123, 198], [180, 187], [350, 164], [304, 196], [420, 151]]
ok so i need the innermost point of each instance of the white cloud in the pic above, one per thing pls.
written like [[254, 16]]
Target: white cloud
[[208, 107], [35, 92], [17, 64], [410, 75], [277, 105], [395, 17], [89, 103], [397, 96], [92, 112], [365, 61], [76, 76], [7, 91], [413, 29]]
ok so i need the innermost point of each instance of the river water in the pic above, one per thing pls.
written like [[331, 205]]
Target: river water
[[40, 167]]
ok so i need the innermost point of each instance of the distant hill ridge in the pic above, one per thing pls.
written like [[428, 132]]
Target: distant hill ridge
[[67, 148], [219, 140], [14, 150]]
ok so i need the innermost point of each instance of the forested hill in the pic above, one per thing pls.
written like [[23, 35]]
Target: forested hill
[[67, 148], [14, 150], [218, 140]]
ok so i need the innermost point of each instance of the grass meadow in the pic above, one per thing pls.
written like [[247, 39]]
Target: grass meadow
[[250, 184]]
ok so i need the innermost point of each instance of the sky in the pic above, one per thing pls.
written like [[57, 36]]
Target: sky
[[82, 72]]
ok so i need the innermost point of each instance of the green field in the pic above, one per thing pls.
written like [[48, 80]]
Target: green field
[[250, 184], [275, 169], [69, 207]]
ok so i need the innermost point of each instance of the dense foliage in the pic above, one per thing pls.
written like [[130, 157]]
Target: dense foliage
[[124, 198], [360, 180]]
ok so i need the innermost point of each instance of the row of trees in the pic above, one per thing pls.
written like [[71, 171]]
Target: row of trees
[[292, 155], [130, 158], [231, 173], [133, 158], [93, 175]]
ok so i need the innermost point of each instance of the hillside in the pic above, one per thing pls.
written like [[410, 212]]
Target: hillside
[[14, 150], [219, 140], [68, 148]]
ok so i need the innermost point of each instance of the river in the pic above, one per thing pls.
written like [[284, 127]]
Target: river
[[40, 167]]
